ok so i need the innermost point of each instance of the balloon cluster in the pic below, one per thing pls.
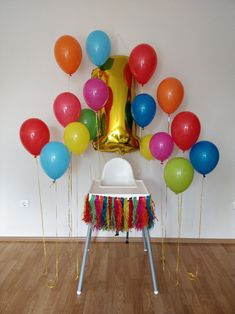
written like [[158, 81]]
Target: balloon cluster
[[184, 132], [82, 125]]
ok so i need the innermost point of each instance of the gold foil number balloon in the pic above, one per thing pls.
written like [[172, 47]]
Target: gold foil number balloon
[[118, 130]]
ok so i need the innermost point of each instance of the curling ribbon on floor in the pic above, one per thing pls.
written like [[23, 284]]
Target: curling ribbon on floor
[[119, 213]]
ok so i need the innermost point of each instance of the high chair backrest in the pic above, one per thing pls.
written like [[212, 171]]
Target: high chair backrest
[[117, 172]]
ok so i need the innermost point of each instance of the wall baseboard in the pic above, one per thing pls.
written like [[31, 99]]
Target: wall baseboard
[[118, 240]]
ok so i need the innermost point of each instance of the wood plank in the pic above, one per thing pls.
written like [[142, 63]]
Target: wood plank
[[120, 238]]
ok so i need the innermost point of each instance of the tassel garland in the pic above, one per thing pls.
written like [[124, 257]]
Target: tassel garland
[[119, 213]]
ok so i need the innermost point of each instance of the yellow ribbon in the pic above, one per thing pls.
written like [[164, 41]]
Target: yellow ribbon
[[52, 283], [77, 270], [42, 221], [180, 201], [163, 255]]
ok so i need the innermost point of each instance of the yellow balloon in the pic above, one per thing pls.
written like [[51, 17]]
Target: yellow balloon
[[76, 137], [118, 130], [144, 147]]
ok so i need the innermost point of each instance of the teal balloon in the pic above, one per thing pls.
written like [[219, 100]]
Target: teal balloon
[[55, 159], [98, 47], [88, 117], [143, 109], [204, 157], [178, 174]]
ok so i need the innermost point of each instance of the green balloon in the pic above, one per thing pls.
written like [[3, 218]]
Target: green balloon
[[178, 174], [88, 117]]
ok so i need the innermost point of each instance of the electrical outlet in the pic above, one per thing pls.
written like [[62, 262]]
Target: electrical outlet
[[24, 203]]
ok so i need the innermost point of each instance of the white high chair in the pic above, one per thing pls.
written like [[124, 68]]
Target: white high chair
[[117, 180]]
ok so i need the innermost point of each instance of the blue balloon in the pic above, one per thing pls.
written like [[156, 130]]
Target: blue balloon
[[204, 157], [98, 47], [143, 109], [55, 159]]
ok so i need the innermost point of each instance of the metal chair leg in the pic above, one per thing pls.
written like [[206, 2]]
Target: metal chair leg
[[152, 268], [127, 237], [84, 257], [145, 245]]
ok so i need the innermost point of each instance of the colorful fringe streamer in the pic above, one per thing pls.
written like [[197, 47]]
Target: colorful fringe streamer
[[118, 213]]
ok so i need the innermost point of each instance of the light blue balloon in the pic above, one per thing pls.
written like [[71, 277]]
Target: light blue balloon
[[98, 47], [55, 159]]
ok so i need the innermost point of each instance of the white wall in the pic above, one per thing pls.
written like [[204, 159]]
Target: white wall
[[194, 41]]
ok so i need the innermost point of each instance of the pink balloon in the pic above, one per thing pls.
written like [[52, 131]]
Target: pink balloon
[[161, 146], [95, 93], [67, 108]]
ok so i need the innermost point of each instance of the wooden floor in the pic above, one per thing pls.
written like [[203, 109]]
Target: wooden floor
[[117, 280]]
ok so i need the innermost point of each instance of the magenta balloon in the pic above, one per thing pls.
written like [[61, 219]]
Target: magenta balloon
[[95, 93], [161, 146], [67, 108]]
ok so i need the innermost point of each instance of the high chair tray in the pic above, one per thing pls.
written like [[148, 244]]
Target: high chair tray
[[119, 191]]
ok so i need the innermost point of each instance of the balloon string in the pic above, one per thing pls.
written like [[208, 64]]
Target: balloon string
[[69, 199], [52, 283], [180, 200], [98, 140], [71, 208], [70, 218], [163, 256], [201, 205], [77, 271], [69, 76], [166, 205], [42, 221], [168, 124]]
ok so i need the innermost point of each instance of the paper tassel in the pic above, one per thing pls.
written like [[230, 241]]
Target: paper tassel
[[119, 214], [87, 211]]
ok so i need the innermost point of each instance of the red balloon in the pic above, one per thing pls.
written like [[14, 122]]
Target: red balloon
[[143, 62], [34, 135], [67, 108], [185, 129]]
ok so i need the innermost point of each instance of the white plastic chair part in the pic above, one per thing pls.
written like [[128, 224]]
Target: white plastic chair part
[[117, 172]]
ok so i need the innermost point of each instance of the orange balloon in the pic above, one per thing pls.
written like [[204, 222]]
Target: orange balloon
[[68, 54], [170, 94]]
